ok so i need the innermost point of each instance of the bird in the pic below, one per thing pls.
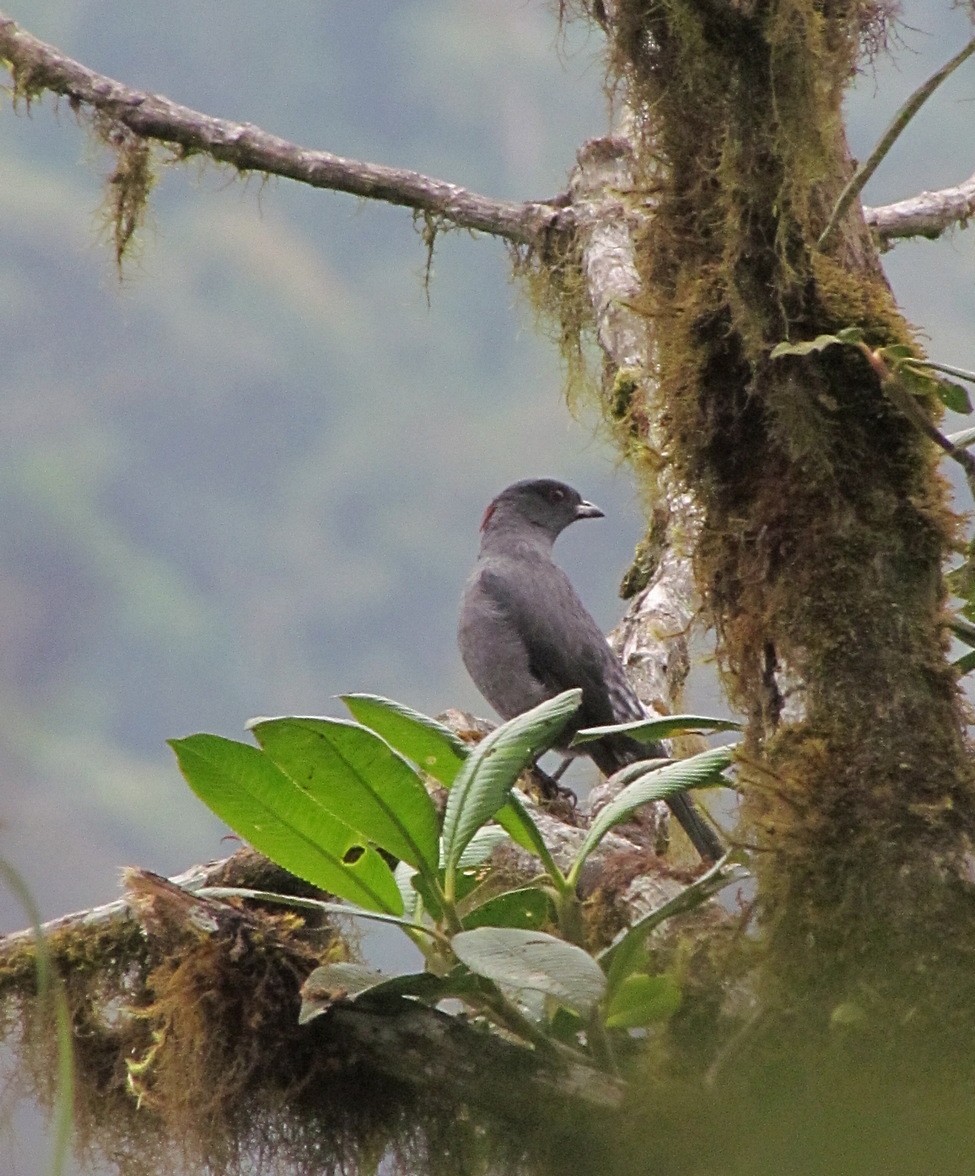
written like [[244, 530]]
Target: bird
[[525, 636]]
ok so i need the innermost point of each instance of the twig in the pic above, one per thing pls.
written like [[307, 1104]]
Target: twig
[[245, 867], [858, 180], [926, 215], [37, 66], [903, 399], [948, 370]]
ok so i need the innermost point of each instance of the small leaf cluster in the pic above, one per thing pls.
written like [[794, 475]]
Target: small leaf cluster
[[344, 805], [899, 360]]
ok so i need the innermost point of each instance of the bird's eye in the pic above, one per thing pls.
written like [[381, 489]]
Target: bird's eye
[[555, 494]]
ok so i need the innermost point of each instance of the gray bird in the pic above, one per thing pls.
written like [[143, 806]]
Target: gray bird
[[525, 635]]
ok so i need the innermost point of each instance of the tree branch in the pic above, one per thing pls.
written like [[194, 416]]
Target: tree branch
[[37, 66], [928, 214], [863, 173], [246, 867]]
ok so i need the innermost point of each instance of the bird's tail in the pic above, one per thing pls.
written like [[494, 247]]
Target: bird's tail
[[610, 755], [699, 830]]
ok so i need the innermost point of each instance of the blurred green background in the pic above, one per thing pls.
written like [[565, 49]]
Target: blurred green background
[[250, 476]]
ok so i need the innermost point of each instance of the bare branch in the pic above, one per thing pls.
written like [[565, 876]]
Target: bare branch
[[245, 867], [37, 66], [863, 173], [928, 214]]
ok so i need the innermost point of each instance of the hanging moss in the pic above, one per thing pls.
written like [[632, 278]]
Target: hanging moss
[[129, 185], [552, 279]]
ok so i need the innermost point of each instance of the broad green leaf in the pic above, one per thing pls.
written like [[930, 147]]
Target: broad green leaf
[[807, 347], [656, 784], [627, 952], [517, 822], [652, 730], [527, 908], [532, 961], [357, 776], [641, 1000], [430, 745], [954, 396], [490, 771], [480, 847], [332, 982], [265, 806], [439, 752], [920, 383], [353, 982]]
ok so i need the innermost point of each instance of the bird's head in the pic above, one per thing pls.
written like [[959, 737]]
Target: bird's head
[[541, 505]]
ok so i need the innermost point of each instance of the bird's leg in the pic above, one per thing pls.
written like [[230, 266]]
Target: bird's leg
[[549, 786], [560, 771]]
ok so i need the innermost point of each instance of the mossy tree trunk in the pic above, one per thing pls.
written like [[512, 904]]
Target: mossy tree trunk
[[824, 521]]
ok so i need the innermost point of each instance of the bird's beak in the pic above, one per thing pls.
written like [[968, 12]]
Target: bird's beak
[[588, 510]]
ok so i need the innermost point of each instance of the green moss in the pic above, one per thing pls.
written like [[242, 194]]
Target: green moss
[[553, 282], [128, 186]]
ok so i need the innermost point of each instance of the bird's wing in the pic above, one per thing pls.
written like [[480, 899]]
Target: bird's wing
[[564, 645], [494, 649]]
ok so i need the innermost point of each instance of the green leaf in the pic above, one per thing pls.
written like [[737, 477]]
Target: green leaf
[[652, 730], [353, 983], [641, 1000], [433, 747], [527, 908], [265, 806], [438, 751], [517, 822], [954, 396], [404, 874], [627, 953], [490, 771], [354, 774], [480, 847], [919, 383], [807, 347], [656, 784], [332, 982], [534, 962], [898, 351], [850, 335]]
